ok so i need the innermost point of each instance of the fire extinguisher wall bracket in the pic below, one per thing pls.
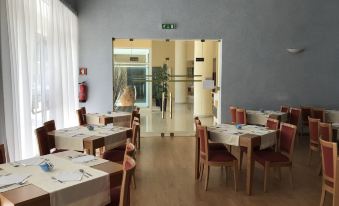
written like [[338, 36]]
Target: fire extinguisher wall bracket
[[82, 92]]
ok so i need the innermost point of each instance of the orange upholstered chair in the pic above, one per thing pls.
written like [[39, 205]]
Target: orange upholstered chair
[[318, 113], [325, 131], [219, 158], [281, 158], [329, 166], [240, 116], [82, 116], [313, 125], [233, 111]]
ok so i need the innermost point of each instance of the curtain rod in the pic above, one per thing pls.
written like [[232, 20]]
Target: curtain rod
[[69, 6]]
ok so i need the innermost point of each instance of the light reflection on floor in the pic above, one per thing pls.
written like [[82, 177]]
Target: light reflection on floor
[[181, 123]]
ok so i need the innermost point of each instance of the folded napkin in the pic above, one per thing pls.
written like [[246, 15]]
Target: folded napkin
[[83, 159], [68, 176], [31, 162], [12, 179]]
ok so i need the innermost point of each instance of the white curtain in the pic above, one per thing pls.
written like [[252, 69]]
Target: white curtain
[[43, 40]]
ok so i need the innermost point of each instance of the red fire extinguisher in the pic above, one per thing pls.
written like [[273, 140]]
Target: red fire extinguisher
[[82, 92]]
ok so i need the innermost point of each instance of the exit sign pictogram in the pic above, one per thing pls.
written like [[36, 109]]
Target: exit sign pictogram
[[169, 26]]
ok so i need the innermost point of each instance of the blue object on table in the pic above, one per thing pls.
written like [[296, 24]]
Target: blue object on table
[[238, 126], [46, 166], [90, 127]]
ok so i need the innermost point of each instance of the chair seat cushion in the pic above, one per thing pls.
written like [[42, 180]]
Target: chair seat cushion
[[269, 156], [114, 155], [220, 156], [115, 196], [217, 146]]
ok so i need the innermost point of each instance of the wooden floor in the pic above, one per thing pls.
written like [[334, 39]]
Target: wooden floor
[[165, 177]]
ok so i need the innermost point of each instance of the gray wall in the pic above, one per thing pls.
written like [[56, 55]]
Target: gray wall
[[257, 70]]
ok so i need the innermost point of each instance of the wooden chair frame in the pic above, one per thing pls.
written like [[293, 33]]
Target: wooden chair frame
[[330, 131], [3, 154], [239, 110], [126, 181], [233, 111], [314, 144], [284, 107], [320, 110]]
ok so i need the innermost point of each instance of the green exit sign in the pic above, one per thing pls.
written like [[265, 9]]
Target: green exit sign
[[169, 26]]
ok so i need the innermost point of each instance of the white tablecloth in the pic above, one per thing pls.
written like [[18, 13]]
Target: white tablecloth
[[72, 138], [119, 118], [332, 116], [260, 118], [230, 135], [91, 190]]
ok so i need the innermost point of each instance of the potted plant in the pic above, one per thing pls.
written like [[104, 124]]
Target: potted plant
[[159, 79]]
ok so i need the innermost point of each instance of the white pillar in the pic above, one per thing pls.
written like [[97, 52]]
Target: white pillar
[[203, 98], [180, 69]]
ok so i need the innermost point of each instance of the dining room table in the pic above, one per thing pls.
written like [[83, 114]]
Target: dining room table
[[249, 136], [90, 137], [73, 179], [259, 117], [332, 116], [117, 118]]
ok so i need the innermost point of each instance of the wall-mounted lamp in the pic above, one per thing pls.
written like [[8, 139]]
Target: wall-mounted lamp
[[295, 50]]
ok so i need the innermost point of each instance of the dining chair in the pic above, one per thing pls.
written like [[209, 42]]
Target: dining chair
[[2, 154], [50, 126], [82, 116], [233, 111], [218, 158], [46, 143], [121, 196], [284, 108], [318, 113], [325, 131], [329, 167], [295, 119], [240, 116], [272, 124], [280, 158], [305, 113], [313, 125]]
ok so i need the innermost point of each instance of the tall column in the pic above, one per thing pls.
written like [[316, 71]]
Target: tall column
[[202, 97], [180, 69]]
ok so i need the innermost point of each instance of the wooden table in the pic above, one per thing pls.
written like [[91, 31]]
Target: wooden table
[[31, 195], [90, 143], [122, 119], [260, 117], [249, 141]]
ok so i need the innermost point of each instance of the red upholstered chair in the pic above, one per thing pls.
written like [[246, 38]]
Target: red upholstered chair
[[233, 111], [329, 166], [295, 118], [313, 125], [240, 116], [121, 196], [2, 154], [219, 158], [285, 109], [281, 158], [325, 131], [305, 113], [318, 113], [272, 124], [82, 116]]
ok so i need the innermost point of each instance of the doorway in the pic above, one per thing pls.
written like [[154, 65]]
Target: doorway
[[173, 80]]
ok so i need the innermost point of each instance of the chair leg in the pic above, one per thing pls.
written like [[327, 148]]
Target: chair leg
[[266, 175], [291, 177], [235, 175], [322, 198], [202, 171], [134, 183], [207, 176], [241, 158]]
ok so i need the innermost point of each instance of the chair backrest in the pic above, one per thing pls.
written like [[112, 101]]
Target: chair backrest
[[313, 125], [82, 116], [272, 124], [233, 111], [42, 138], [305, 113], [202, 130], [128, 169], [2, 154], [325, 131], [284, 108], [295, 116], [329, 161], [135, 115], [196, 123], [135, 131], [240, 116], [130, 150], [50, 126], [287, 137], [318, 113]]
